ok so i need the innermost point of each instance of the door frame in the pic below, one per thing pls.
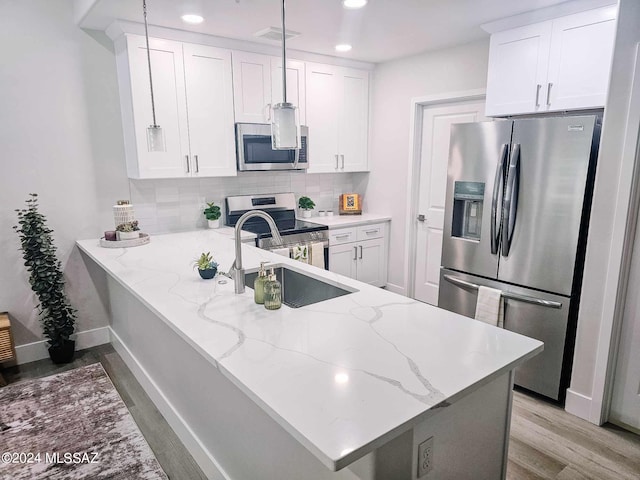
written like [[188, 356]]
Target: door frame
[[415, 149]]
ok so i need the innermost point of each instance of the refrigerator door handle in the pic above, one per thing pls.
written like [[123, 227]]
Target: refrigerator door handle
[[511, 200], [496, 200], [506, 295]]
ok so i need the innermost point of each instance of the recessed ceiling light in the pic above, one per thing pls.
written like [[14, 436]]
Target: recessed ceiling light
[[354, 3], [191, 18], [343, 47]]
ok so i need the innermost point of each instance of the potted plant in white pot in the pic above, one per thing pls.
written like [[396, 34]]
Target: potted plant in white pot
[[45, 276], [212, 214], [306, 205], [128, 231], [207, 266]]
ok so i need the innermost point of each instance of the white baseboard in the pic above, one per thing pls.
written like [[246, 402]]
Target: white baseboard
[[578, 404], [201, 455], [31, 352], [392, 287]]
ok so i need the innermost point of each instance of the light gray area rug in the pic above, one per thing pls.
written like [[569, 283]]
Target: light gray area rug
[[72, 426]]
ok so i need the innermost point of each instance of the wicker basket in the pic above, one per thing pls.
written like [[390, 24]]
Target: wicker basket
[[7, 347]]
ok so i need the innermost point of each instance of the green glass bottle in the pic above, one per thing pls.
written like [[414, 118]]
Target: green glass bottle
[[258, 285], [272, 293]]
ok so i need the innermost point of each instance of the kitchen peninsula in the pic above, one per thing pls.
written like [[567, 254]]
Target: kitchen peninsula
[[356, 387]]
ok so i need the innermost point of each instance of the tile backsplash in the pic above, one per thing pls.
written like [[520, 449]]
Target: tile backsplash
[[173, 205]]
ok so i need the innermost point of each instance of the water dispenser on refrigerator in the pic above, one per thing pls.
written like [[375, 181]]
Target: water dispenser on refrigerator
[[468, 198]]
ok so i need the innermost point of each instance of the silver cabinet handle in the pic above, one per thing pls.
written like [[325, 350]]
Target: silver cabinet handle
[[360, 252], [508, 295], [538, 87], [355, 253], [344, 235], [369, 232], [187, 159], [336, 161], [268, 108], [197, 164], [342, 156], [549, 85]]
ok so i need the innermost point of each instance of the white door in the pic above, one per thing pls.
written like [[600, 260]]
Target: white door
[[580, 59], [252, 87], [210, 110], [517, 70], [343, 259], [296, 91], [323, 97], [371, 260], [434, 156], [354, 120], [171, 111], [625, 402]]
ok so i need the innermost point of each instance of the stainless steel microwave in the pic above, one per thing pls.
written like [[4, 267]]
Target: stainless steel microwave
[[254, 152]]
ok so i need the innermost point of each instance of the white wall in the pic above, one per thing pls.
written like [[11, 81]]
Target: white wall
[[606, 264], [395, 84], [60, 137]]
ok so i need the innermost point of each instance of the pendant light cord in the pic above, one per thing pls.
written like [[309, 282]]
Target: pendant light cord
[[284, 57], [146, 36]]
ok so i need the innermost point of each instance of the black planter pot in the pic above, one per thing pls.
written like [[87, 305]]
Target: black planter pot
[[208, 274], [63, 353]]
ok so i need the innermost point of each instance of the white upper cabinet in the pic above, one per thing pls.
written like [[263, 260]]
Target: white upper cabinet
[[257, 85], [252, 87], [193, 102], [338, 118], [561, 64]]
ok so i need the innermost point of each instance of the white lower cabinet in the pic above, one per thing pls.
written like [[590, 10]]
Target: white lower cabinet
[[363, 260]]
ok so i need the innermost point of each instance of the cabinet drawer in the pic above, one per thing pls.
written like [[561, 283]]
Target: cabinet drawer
[[367, 232], [342, 235]]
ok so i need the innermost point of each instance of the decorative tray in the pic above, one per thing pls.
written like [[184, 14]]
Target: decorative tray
[[136, 242]]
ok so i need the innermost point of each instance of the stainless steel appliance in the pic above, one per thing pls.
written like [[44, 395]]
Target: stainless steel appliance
[[254, 152], [516, 217], [282, 208]]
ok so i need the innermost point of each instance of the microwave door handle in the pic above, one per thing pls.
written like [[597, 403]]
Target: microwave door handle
[[496, 199], [296, 158], [511, 200]]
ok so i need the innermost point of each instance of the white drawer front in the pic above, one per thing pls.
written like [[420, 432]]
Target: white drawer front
[[367, 232], [342, 235]]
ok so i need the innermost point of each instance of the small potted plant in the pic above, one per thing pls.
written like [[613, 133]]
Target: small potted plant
[[306, 205], [212, 214], [128, 231], [47, 281], [207, 266]]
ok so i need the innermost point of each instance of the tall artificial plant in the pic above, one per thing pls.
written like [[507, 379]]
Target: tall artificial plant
[[45, 274]]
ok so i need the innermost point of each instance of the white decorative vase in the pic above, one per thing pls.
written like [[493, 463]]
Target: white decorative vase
[[214, 223], [306, 213], [127, 235]]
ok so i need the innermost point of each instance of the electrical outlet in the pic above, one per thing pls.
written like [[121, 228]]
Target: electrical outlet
[[425, 457]]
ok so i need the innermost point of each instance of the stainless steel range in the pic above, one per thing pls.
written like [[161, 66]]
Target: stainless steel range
[[282, 207]]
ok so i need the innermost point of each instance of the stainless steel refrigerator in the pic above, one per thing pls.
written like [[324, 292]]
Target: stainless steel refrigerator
[[516, 217]]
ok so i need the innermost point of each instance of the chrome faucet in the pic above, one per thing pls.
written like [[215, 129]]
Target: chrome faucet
[[238, 271]]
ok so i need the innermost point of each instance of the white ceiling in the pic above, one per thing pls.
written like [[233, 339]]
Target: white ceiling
[[381, 31]]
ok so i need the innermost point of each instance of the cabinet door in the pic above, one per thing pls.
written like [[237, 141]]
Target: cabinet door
[[517, 73], [167, 67], [342, 259], [372, 262], [323, 103], [252, 87], [296, 91], [580, 59], [210, 110], [353, 136]]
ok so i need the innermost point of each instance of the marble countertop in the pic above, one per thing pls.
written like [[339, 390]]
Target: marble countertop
[[339, 221], [343, 376]]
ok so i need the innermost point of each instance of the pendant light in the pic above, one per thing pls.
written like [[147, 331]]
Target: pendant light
[[285, 134], [155, 136]]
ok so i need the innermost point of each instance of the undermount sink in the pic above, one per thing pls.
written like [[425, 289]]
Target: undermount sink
[[298, 289]]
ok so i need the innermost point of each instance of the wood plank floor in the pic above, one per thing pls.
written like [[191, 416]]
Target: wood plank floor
[[546, 442]]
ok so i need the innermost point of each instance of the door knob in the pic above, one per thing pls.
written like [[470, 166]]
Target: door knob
[[421, 218]]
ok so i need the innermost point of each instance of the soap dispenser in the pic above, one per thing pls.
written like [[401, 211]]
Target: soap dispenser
[[272, 292], [258, 284]]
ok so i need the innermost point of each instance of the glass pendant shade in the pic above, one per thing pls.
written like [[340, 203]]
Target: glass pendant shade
[[285, 134], [155, 139]]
